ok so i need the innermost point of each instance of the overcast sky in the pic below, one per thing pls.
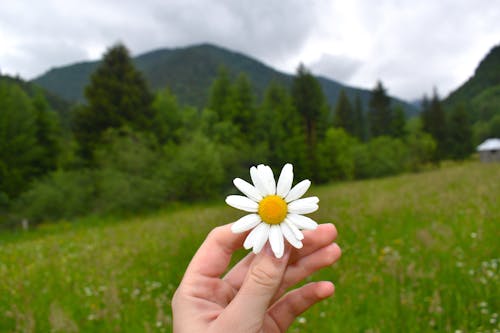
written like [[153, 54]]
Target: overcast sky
[[410, 45]]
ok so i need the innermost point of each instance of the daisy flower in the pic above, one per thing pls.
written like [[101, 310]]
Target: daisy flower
[[275, 209]]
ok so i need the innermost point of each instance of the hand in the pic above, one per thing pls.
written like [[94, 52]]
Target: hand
[[251, 296]]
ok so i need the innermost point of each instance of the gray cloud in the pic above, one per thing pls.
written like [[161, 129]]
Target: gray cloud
[[337, 67], [410, 45]]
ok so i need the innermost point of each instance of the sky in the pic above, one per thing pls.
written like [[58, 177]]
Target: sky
[[411, 46]]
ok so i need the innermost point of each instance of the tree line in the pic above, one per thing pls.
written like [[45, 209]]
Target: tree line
[[129, 150]]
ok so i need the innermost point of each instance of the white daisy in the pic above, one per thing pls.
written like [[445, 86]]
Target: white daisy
[[276, 209]]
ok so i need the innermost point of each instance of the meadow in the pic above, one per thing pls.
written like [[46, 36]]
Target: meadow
[[421, 253]]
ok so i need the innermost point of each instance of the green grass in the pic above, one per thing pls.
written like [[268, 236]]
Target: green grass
[[420, 254]]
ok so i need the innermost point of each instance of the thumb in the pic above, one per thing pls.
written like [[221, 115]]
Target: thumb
[[258, 289]]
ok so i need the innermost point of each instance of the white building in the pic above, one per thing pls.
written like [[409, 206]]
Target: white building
[[489, 150]]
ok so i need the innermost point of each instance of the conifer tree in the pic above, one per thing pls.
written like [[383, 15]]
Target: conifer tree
[[19, 150], [280, 126], [117, 96], [380, 114], [359, 119], [168, 119], [398, 122], [459, 134], [309, 101], [48, 134], [243, 107], [220, 95], [344, 115], [434, 123]]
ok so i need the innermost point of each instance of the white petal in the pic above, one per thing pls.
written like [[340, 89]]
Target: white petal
[[245, 223], [307, 201], [302, 222], [290, 237], [258, 181], [247, 189], [243, 203], [285, 180], [267, 177], [248, 244], [298, 190], [261, 236], [276, 240], [304, 206], [296, 232]]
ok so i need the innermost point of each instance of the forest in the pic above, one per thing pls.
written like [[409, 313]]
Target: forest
[[127, 149]]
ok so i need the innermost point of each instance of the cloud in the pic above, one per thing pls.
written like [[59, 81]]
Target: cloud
[[337, 67], [410, 45]]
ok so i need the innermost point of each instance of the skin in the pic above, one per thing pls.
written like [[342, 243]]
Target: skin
[[252, 296]]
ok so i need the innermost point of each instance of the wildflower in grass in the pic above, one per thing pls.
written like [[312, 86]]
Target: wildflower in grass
[[276, 209]]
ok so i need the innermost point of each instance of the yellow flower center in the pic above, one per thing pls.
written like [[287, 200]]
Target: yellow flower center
[[273, 209]]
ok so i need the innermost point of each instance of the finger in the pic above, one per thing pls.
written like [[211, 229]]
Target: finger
[[306, 266], [261, 283], [214, 255], [324, 235], [285, 310]]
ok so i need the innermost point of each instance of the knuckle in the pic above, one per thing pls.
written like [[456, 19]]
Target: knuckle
[[264, 278]]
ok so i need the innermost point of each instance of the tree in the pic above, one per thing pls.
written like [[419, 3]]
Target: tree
[[243, 107], [434, 123], [380, 112], [336, 158], [220, 94], [168, 118], [344, 116], [279, 126], [48, 134], [359, 119], [309, 100], [398, 122], [117, 96], [459, 134], [19, 150]]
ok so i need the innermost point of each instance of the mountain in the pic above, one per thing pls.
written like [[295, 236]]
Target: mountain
[[56, 103], [480, 93], [189, 72]]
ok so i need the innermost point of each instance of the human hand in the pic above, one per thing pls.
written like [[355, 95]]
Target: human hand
[[251, 296]]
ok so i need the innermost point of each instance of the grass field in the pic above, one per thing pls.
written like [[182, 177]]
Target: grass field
[[421, 253]]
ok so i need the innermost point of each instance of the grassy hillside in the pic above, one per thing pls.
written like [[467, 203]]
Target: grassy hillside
[[420, 254], [189, 72], [486, 75], [480, 94], [55, 102]]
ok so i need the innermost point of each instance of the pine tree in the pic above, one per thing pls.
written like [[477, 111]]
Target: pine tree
[[359, 119], [459, 134], [425, 112], [434, 123], [48, 134], [168, 119], [117, 96], [220, 94], [279, 125], [380, 114], [19, 150], [243, 107], [309, 101], [344, 115], [398, 122]]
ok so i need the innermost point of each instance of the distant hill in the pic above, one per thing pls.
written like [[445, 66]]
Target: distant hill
[[55, 102], [481, 93], [189, 72]]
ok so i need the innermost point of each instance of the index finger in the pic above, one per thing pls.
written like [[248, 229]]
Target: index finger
[[214, 254]]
